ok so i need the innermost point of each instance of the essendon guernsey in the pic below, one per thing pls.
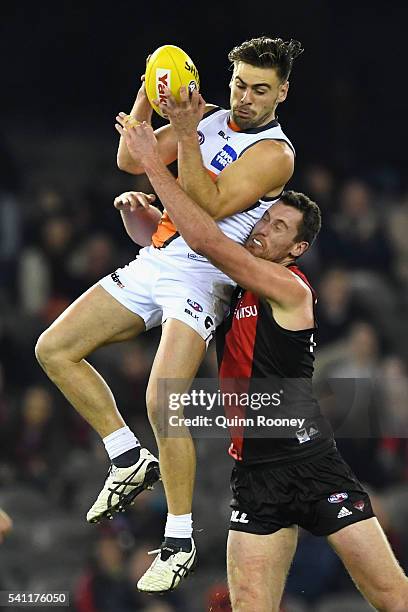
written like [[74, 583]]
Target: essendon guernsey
[[266, 374]]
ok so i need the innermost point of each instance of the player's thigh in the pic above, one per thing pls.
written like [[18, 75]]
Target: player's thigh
[[93, 320], [367, 556], [180, 353], [257, 568]]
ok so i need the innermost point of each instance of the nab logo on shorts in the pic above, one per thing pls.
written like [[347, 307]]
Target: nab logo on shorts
[[337, 498], [224, 158], [235, 518]]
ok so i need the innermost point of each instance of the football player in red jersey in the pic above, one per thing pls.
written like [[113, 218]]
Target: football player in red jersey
[[302, 480]]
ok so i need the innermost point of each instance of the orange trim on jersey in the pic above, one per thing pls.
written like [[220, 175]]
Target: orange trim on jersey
[[165, 230], [233, 126], [212, 175]]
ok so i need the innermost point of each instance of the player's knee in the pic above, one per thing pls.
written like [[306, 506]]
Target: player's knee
[[394, 599], [157, 410], [153, 411], [46, 351]]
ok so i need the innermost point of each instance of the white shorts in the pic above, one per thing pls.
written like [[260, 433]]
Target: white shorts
[[155, 289]]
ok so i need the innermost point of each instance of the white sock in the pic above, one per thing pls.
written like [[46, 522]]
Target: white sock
[[120, 441], [179, 526]]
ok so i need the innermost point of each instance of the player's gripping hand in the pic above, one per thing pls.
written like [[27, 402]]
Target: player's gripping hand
[[139, 137], [185, 115], [132, 200]]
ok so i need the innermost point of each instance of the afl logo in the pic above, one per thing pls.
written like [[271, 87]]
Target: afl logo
[[201, 137], [337, 498], [195, 305]]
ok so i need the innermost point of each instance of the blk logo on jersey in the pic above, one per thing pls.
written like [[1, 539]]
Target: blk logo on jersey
[[224, 157], [201, 137], [223, 135]]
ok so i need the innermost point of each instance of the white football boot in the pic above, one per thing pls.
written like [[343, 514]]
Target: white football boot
[[168, 569], [122, 486]]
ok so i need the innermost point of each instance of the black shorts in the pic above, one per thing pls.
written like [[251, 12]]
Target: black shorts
[[320, 494]]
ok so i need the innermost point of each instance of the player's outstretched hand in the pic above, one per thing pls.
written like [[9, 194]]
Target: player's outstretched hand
[[6, 524], [131, 200], [185, 115], [139, 137]]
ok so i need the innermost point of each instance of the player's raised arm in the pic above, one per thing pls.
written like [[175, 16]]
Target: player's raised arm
[[142, 111], [263, 169]]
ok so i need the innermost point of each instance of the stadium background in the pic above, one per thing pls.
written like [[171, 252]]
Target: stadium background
[[67, 69]]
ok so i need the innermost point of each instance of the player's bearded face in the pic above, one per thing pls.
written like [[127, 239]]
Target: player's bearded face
[[274, 236], [255, 94]]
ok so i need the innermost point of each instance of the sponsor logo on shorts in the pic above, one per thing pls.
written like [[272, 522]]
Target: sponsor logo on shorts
[[359, 505], [116, 279], [195, 305], [208, 323], [236, 518], [337, 498], [313, 431], [201, 137], [302, 435], [196, 317], [224, 158], [196, 256], [344, 512]]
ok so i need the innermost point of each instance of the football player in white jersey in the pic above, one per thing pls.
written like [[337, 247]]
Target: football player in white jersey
[[244, 162]]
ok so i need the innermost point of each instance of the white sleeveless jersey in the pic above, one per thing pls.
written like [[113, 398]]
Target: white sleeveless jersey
[[221, 143]]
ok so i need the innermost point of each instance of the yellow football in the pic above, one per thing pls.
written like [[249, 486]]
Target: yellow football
[[171, 67]]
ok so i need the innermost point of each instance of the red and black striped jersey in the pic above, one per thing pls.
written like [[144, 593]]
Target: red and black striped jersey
[[258, 356]]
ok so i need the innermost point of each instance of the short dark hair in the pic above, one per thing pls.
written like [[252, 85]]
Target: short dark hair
[[311, 223], [265, 52]]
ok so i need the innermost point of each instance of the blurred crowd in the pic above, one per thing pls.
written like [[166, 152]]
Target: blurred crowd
[[54, 244]]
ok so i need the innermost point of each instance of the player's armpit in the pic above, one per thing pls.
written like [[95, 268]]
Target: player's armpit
[[263, 169]]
